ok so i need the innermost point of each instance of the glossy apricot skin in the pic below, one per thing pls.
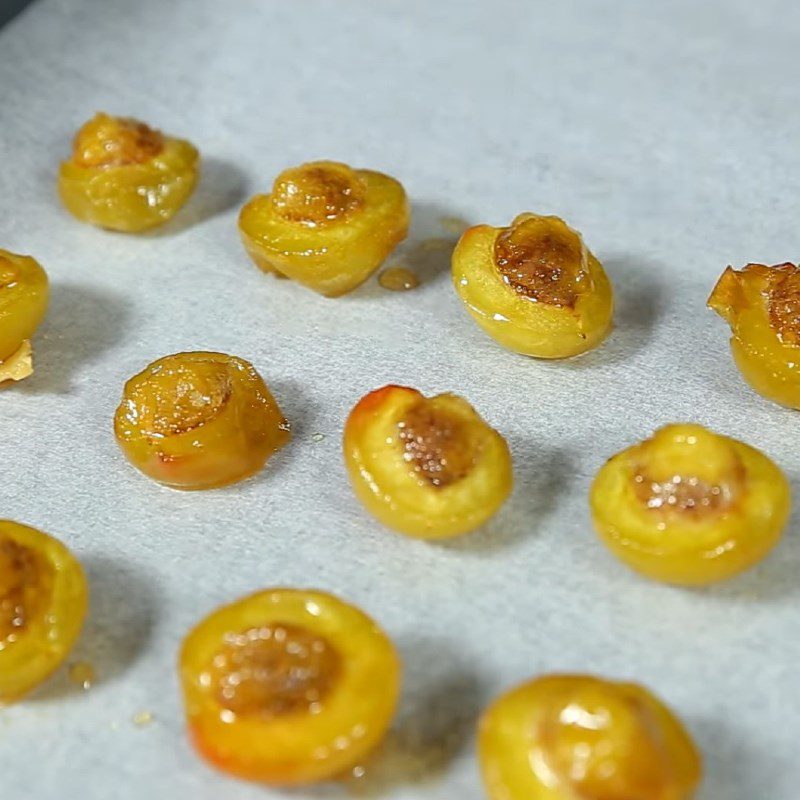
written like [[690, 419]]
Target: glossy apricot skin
[[696, 546], [49, 633], [24, 296], [298, 747], [397, 495], [230, 443], [579, 737], [768, 361], [130, 197], [334, 256], [526, 326]]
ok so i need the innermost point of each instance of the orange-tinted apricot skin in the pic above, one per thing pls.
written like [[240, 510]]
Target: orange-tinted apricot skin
[[398, 496], [335, 257], [133, 196], [531, 745], [297, 748], [699, 548], [767, 360], [24, 296], [229, 448], [45, 640], [515, 321]]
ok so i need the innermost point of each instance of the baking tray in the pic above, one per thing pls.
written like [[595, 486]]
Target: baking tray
[[665, 132]]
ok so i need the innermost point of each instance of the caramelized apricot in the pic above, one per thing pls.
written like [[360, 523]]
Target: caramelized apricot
[[690, 506], [578, 737], [762, 306], [43, 599], [288, 686], [534, 287], [199, 421], [125, 176], [24, 294], [325, 225], [427, 467]]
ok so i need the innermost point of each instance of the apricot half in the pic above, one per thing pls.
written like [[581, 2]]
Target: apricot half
[[43, 600], [578, 737], [24, 295], [429, 467], [534, 287], [125, 176], [762, 306], [199, 421], [325, 225], [288, 686], [690, 506]]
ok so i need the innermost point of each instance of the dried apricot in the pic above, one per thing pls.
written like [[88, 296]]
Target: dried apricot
[[24, 295], [534, 287], [288, 686], [762, 306], [43, 600], [690, 506], [199, 421], [427, 467], [126, 176], [578, 737], [325, 225]]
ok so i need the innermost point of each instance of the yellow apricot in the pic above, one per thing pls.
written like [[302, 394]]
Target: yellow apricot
[[578, 737], [427, 467], [534, 287], [43, 598], [24, 295], [288, 686], [125, 176], [690, 506], [325, 225], [762, 306], [199, 421]]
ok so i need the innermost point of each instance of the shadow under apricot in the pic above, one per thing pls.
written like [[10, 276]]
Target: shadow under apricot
[[222, 187], [540, 476], [82, 323], [123, 603], [640, 288], [439, 710]]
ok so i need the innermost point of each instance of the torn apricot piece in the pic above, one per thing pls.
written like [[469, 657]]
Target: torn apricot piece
[[690, 506], [125, 176], [762, 306], [43, 599], [579, 737], [325, 225], [429, 467], [199, 421], [534, 287], [288, 686], [24, 295]]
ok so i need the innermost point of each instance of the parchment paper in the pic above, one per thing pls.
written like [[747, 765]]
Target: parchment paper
[[666, 132]]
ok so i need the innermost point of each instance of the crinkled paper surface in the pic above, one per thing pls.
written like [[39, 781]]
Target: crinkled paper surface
[[666, 132]]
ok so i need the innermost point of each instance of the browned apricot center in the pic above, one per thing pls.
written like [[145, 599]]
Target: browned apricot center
[[317, 193], [439, 446], [25, 585], [107, 141], [784, 303], [9, 274], [274, 670], [541, 259], [169, 402], [683, 493]]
